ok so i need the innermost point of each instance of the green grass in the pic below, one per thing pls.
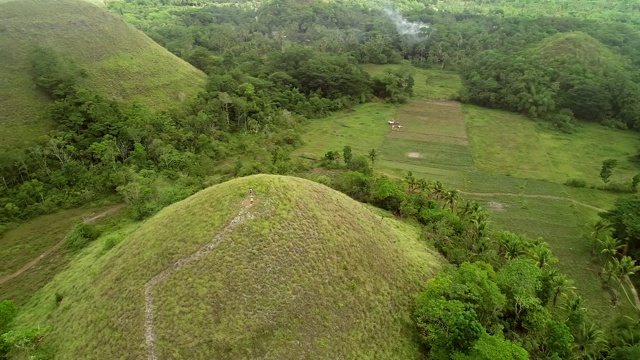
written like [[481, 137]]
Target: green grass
[[601, 199], [121, 61], [29, 240], [363, 129], [431, 121], [428, 83], [492, 152], [509, 144], [490, 183], [310, 271], [561, 225], [444, 156]]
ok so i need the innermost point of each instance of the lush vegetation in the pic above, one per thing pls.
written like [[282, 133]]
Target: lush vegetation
[[506, 297], [120, 62], [306, 266], [273, 70], [568, 76]]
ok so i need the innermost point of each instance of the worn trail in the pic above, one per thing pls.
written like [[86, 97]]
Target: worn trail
[[150, 334], [55, 247]]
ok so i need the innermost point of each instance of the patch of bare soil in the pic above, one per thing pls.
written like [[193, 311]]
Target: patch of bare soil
[[414, 155], [496, 206]]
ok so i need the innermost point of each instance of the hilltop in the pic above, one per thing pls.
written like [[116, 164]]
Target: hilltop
[[576, 48], [304, 272], [121, 62]]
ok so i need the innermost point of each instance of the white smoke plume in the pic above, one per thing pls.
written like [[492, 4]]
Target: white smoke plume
[[404, 26]]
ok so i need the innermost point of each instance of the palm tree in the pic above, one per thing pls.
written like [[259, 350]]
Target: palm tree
[[560, 284], [542, 255], [478, 228], [510, 245], [610, 246], [622, 269], [589, 341], [450, 198], [628, 331], [599, 227], [422, 184], [373, 155], [469, 209], [411, 181], [576, 310], [437, 189]]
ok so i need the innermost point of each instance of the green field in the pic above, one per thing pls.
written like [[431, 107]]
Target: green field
[[302, 268], [122, 62], [515, 166], [509, 144], [429, 83], [28, 241], [362, 129]]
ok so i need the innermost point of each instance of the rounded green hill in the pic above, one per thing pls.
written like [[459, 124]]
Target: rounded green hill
[[576, 48], [304, 272], [122, 63]]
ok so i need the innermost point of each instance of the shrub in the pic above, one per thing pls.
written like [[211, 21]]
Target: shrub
[[109, 243], [141, 211], [113, 239], [81, 235], [322, 179], [619, 188], [563, 121], [614, 124], [8, 312], [578, 183]]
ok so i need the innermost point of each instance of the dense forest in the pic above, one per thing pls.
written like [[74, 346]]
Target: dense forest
[[275, 65]]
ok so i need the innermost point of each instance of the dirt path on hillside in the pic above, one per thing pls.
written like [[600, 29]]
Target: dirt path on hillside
[[551, 197], [55, 247], [150, 334]]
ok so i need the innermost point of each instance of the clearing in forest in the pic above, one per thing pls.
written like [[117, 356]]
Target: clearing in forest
[[505, 143], [431, 121], [435, 130]]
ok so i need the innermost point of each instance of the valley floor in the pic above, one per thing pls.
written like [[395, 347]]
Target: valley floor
[[513, 166]]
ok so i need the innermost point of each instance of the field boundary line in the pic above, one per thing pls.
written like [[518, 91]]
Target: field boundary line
[[150, 334], [55, 247], [532, 196]]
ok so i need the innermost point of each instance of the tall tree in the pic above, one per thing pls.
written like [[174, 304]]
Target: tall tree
[[347, 154], [600, 227], [373, 156], [625, 220], [447, 326]]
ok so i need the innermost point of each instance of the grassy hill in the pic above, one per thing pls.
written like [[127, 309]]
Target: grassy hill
[[305, 272], [576, 48], [121, 61]]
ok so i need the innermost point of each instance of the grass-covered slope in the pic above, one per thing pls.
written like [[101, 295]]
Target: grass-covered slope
[[121, 61], [304, 273], [576, 48]]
